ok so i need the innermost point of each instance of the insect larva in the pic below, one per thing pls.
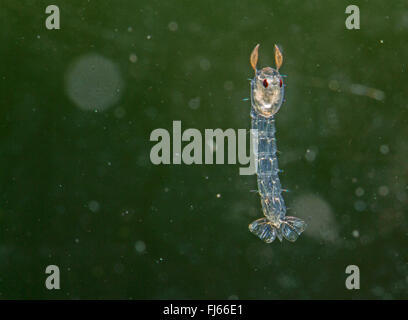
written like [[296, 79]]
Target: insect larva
[[267, 92]]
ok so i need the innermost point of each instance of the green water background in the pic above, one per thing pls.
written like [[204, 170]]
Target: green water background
[[78, 189]]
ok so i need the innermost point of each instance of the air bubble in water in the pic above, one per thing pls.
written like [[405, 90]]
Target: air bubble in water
[[93, 83], [93, 206], [173, 26], [140, 246]]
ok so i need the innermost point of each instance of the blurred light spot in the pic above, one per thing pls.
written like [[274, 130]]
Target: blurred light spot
[[310, 154], [148, 37], [205, 64], [318, 215], [160, 260], [173, 26], [93, 82], [140, 246], [360, 205], [233, 297], [383, 191], [218, 195], [194, 103], [130, 29], [132, 58], [363, 90], [93, 206], [359, 192], [384, 149], [355, 233]]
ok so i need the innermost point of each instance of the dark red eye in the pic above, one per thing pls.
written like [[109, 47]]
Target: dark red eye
[[280, 83], [265, 83]]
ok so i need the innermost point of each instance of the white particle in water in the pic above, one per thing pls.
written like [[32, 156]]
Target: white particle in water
[[133, 57], [218, 195], [355, 233], [310, 155], [140, 246]]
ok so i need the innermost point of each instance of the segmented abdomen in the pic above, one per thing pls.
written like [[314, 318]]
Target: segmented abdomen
[[269, 186]]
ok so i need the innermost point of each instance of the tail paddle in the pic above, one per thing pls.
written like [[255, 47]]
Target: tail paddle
[[290, 228]]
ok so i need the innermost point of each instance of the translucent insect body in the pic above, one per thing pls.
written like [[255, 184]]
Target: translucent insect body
[[267, 92]]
